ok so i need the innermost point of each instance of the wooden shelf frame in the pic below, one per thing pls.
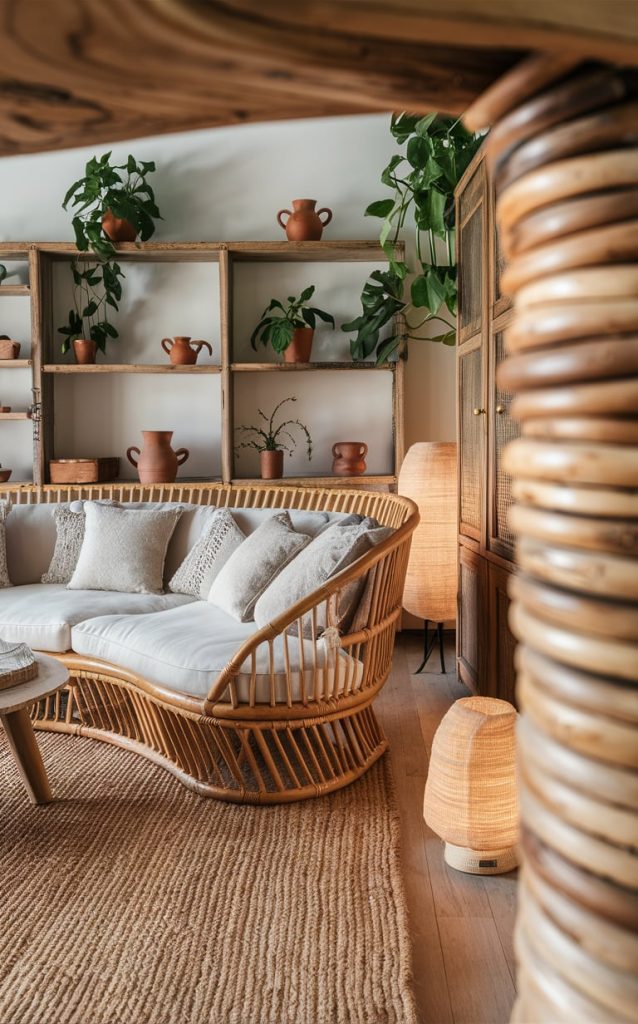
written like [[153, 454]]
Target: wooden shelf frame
[[15, 289], [41, 258]]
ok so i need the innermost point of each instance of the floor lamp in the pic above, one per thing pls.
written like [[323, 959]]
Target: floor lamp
[[428, 476]]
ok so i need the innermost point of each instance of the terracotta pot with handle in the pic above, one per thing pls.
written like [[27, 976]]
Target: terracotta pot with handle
[[272, 464], [304, 223], [184, 352], [117, 228], [300, 348], [157, 462], [349, 458], [85, 351]]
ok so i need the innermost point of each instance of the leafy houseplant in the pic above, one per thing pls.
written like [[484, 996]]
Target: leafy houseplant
[[96, 286], [272, 441], [112, 203], [290, 328], [422, 180]]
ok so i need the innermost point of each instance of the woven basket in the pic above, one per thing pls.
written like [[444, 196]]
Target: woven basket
[[9, 349], [17, 664]]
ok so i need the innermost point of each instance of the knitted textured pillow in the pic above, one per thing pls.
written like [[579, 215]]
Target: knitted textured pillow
[[5, 508], [68, 544], [208, 556]]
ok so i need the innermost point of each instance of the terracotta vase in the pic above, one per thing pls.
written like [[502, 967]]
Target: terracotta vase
[[184, 352], [272, 465], [157, 462], [117, 228], [300, 347], [304, 223], [349, 458], [85, 351]]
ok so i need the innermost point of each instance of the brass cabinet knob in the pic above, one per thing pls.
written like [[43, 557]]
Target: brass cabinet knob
[[478, 412], [500, 409]]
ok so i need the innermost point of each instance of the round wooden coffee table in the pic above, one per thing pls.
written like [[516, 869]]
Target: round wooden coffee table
[[14, 714]]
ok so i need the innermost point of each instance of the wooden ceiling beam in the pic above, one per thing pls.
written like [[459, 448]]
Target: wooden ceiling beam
[[77, 72]]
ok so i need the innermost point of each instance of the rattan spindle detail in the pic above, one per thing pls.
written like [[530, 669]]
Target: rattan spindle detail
[[565, 163]]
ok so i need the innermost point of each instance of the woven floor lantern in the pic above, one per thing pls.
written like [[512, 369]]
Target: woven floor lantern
[[428, 476], [471, 798]]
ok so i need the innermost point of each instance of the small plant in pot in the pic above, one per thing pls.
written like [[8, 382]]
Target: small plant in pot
[[112, 203], [271, 441], [97, 287], [290, 328]]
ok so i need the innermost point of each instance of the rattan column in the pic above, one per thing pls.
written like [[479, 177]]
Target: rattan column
[[564, 160]]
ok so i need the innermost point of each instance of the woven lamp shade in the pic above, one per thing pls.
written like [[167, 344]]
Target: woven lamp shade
[[428, 476], [471, 798]]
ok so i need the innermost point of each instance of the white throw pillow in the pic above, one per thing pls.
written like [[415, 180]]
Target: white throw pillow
[[254, 565], [5, 508], [207, 558], [124, 549], [334, 549]]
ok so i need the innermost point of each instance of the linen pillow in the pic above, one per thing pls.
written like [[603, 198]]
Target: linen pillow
[[254, 566], [208, 556], [124, 549], [69, 534], [5, 508], [333, 550]]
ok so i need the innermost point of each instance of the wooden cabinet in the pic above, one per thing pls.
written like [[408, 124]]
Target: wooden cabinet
[[485, 645]]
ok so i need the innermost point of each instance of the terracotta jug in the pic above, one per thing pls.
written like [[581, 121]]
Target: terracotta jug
[[117, 228], [304, 223], [300, 347], [184, 352], [157, 462], [272, 464], [84, 350], [349, 458]]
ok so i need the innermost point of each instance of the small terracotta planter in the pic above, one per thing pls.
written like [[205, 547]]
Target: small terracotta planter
[[272, 464], [85, 351], [118, 229], [300, 348]]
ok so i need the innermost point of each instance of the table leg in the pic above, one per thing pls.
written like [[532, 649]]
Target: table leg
[[19, 730]]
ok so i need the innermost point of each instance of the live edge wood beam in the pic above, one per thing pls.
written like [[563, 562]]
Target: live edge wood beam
[[78, 72]]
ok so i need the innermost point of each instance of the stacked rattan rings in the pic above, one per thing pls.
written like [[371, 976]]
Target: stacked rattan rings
[[563, 153]]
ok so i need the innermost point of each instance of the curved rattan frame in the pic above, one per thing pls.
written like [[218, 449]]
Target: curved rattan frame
[[250, 752]]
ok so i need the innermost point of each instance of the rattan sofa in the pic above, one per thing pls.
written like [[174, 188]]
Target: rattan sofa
[[304, 740]]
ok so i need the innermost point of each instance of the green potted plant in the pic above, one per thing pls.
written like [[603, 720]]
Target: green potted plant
[[272, 441], [422, 180], [96, 287], [113, 203], [290, 328]]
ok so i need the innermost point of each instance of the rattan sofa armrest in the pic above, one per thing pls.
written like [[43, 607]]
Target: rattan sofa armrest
[[399, 541]]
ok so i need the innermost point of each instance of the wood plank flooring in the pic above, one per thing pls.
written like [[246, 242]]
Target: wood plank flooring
[[461, 925]]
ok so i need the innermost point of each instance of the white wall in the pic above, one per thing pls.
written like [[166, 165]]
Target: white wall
[[222, 184]]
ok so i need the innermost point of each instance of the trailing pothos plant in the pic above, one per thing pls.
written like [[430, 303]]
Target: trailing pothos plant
[[279, 322], [422, 179], [271, 438], [96, 287], [120, 188]]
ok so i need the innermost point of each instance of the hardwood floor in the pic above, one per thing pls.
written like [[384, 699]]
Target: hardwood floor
[[461, 925]]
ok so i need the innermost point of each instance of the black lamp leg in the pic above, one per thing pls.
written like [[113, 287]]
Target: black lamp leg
[[439, 630], [428, 645]]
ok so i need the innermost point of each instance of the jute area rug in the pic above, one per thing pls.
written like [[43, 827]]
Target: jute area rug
[[130, 900]]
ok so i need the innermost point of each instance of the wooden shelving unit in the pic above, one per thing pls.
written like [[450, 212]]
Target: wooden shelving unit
[[43, 256]]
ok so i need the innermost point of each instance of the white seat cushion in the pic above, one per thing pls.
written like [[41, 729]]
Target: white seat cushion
[[42, 614], [185, 649]]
